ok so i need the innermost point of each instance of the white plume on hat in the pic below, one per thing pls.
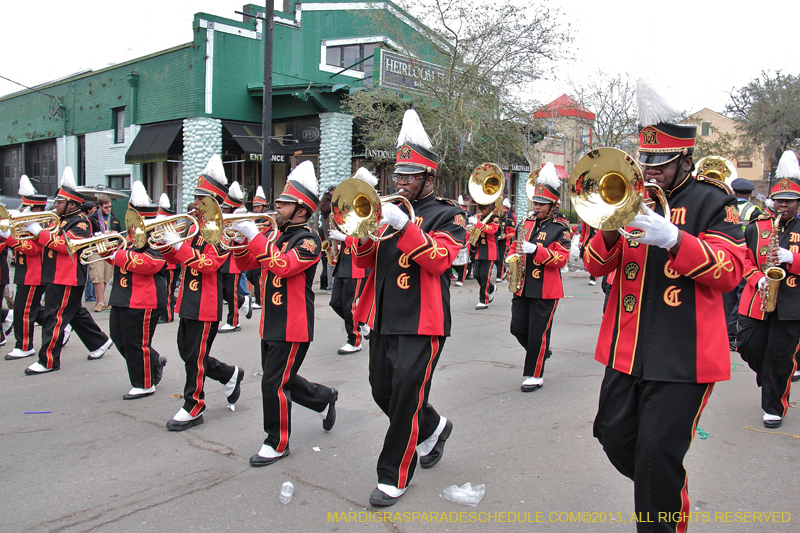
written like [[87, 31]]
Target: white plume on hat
[[260, 193], [460, 200], [506, 203], [549, 176], [652, 107], [412, 131], [235, 192], [305, 176], [139, 197], [215, 170], [25, 186], [365, 175], [788, 167], [67, 178], [164, 201]]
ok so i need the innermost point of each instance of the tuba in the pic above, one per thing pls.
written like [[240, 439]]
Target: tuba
[[774, 273], [486, 185], [716, 168], [15, 221], [356, 209], [607, 190]]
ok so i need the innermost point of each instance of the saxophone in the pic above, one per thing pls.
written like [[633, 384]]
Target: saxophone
[[774, 273], [516, 261], [331, 249]]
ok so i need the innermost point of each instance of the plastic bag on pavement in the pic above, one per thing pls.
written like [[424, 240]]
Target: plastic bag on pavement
[[466, 494]]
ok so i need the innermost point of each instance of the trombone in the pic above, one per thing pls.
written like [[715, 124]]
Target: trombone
[[160, 226], [15, 222], [486, 184], [356, 209], [100, 245], [607, 190]]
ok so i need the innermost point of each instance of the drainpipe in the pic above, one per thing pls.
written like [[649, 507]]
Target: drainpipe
[[133, 81]]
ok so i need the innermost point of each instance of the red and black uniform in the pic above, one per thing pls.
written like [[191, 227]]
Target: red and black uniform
[[504, 235], [664, 341], [200, 308], [406, 302], [534, 306], [64, 278], [138, 298], [768, 342], [287, 326], [172, 276], [485, 256], [28, 298], [230, 290], [348, 282]]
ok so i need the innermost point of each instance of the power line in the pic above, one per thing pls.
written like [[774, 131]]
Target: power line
[[29, 88]]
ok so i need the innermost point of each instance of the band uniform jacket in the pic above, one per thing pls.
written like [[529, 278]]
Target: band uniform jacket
[[200, 295], [757, 236], [665, 319], [139, 282], [543, 267], [408, 289], [486, 248], [27, 261], [345, 265], [287, 267], [57, 266]]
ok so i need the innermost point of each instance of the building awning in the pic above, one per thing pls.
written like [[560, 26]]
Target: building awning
[[246, 134], [152, 143], [562, 173]]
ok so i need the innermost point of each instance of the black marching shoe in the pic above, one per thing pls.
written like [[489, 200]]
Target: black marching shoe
[[435, 455], [330, 418], [258, 460], [175, 425], [158, 372], [378, 498]]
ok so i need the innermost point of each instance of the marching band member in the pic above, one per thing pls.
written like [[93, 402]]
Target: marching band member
[[172, 272], [504, 235], [461, 271], [287, 319], [260, 205], [663, 335], [27, 277], [348, 280], [64, 278], [229, 271], [407, 304], [768, 341], [138, 298], [485, 254], [200, 308], [545, 244]]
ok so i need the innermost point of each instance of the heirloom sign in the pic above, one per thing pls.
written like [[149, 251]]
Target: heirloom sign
[[404, 73]]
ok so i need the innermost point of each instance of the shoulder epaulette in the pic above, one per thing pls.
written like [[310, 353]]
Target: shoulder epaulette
[[762, 216], [449, 201], [724, 186]]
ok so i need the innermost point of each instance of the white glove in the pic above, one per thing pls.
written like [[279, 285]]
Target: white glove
[[246, 227], [394, 216], [172, 239], [112, 256], [785, 256], [659, 232], [34, 227], [336, 235], [473, 220], [762, 284], [5, 234], [529, 247], [242, 209]]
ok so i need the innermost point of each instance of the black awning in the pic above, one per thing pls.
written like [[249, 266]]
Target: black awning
[[246, 134], [152, 143]]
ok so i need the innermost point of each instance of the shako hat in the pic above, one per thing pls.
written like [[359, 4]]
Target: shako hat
[[66, 188], [260, 198], [141, 202], [414, 147], [661, 141], [235, 196], [547, 188], [788, 173], [28, 193], [164, 207], [301, 187], [212, 182]]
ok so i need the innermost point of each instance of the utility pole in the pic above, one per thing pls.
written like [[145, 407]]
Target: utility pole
[[266, 109]]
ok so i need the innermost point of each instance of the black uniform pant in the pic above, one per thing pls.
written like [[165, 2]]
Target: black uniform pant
[[281, 386], [483, 269], [646, 428], [27, 312], [400, 373], [461, 271], [500, 262], [254, 277], [324, 282], [531, 324], [230, 293], [62, 306], [194, 346], [132, 332], [173, 278], [769, 347], [730, 301], [343, 301]]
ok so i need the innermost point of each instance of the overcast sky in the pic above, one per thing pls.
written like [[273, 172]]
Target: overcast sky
[[693, 52]]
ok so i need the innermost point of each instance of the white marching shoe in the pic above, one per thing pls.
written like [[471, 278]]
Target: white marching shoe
[[16, 353], [98, 353], [349, 348]]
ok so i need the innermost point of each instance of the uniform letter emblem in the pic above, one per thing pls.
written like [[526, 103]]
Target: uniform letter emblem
[[402, 280], [671, 296]]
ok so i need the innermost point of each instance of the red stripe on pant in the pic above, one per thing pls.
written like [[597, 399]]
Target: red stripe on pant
[[283, 402], [56, 336], [356, 328], [198, 386], [537, 373], [684, 521]]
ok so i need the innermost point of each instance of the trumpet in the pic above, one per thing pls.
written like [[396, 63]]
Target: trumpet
[[160, 226], [607, 190], [100, 245], [356, 209], [15, 222], [486, 186]]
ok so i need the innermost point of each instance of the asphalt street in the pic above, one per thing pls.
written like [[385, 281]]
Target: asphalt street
[[98, 463]]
